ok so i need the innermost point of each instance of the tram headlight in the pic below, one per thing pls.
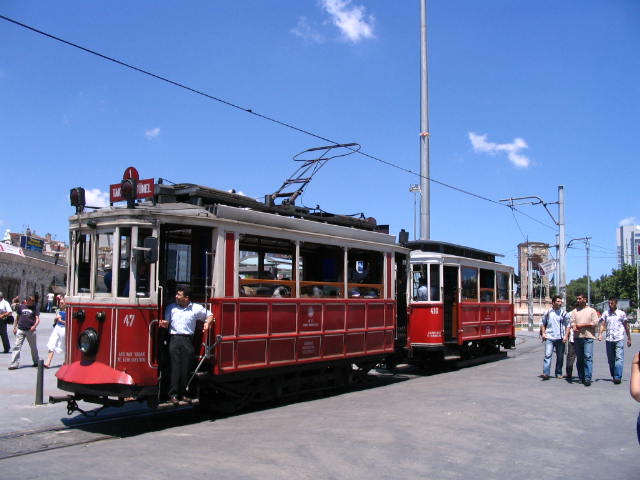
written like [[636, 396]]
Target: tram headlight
[[88, 341]]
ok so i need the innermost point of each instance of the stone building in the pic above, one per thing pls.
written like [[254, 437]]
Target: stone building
[[26, 271], [538, 253]]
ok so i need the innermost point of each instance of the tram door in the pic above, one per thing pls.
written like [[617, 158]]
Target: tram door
[[450, 292]]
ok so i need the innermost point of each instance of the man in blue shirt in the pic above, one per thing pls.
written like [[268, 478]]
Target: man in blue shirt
[[181, 318], [554, 324]]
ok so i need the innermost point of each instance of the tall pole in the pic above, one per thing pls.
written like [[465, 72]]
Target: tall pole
[[529, 288], [586, 243], [562, 265], [425, 206], [415, 189]]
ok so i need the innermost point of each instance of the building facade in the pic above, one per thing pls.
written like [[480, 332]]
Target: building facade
[[628, 240], [530, 257]]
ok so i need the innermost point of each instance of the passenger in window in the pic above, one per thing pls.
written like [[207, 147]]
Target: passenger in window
[[280, 292], [422, 295]]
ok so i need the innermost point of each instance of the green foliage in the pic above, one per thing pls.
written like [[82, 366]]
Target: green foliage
[[621, 283]]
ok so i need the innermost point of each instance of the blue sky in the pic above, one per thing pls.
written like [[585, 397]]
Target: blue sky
[[523, 97]]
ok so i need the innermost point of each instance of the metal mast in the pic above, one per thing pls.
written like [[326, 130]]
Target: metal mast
[[425, 205]]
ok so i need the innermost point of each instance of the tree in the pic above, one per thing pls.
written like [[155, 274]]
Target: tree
[[621, 284]]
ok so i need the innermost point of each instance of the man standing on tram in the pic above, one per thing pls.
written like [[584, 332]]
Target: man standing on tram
[[181, 318]]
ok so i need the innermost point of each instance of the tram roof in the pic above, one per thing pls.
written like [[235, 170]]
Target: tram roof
[[452, 249], [206, 197]]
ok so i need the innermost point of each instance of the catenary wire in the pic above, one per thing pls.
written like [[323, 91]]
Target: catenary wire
[[263, 116]]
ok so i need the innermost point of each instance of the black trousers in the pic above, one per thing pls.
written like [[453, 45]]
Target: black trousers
[[3, 333], [181, 353]]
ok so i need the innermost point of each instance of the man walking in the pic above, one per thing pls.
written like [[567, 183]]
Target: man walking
[[614, 321], [28, 320], [553, 327], [181, 318], [584, 320]]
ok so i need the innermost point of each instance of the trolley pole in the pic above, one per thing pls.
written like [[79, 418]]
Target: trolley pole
[[425, 207]]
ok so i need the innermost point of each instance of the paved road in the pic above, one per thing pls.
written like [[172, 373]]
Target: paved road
[[492, 421]]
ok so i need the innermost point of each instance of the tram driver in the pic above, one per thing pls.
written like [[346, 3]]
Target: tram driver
[[181, 318]]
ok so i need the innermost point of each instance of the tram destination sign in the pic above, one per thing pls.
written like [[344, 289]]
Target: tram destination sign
[[145, 190]]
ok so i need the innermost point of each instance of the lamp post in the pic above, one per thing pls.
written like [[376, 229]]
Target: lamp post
[[562, 266]]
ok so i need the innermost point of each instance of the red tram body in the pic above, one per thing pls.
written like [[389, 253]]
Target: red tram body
[[461, 302], [298, 299], [302, 301]]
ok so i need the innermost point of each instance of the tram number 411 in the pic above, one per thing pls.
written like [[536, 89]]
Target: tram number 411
[[435, 310]]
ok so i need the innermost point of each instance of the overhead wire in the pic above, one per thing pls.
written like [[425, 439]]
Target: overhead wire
[[262, 116]]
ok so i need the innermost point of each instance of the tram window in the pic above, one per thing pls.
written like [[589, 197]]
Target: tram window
[[124, 262], [365, 273], [434, 283], [487, 285], [469, 284], [321, 270], [83, 263], [265, 266], [143, 268], [184, 260], [105, 261], [502, 286]]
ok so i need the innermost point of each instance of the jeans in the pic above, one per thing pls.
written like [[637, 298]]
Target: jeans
[[549, 345], [584, 357], [615, 357], [571, 358], [21, 335]]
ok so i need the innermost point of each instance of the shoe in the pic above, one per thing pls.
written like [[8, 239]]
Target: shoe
[[174, 399], [544, 377], [569, 379], [587, 383], [13, 368], [617, 381], [559, 376], [35, 365]]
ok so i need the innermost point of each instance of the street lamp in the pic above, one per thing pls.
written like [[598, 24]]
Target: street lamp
[[586, 245]]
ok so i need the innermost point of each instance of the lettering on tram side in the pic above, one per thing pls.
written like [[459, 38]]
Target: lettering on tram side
[[310, 321], [435, 310], [309, 348], [132, 357], [128, 320], [433, 334]]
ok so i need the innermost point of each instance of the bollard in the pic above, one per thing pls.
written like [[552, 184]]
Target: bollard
[[39, 382]]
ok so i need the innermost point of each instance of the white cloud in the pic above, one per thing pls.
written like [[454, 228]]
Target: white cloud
[[628, 221], [94, 197], [152, 133], [352, 20], [306, 31], [480, 144]]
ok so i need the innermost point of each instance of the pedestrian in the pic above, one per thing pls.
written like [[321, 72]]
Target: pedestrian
[[571, 354], [25, 327], [553, 328], [56, 339], [50, 297], [584, 320], [6, 316], [181, 318], [634, 386], [614, 321]]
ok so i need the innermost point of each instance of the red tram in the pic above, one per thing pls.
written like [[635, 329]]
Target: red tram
[[461, 303], [302, 300], [299, 298]]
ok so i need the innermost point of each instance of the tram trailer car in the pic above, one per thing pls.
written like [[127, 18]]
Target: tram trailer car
[[301, 300], [461, 303]]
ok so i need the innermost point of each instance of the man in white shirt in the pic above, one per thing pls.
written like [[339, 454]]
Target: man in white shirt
[[181, 318], [614, 321], [6, 316]]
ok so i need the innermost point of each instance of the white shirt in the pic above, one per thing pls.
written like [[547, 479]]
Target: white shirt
[[4, 306], [183, 319]]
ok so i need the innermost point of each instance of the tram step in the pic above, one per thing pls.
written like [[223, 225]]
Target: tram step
[[451, 357]]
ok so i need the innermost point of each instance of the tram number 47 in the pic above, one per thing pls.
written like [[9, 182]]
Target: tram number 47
[[128, 320]]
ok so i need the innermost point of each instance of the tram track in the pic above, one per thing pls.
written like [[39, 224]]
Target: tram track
[[17, 444]]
